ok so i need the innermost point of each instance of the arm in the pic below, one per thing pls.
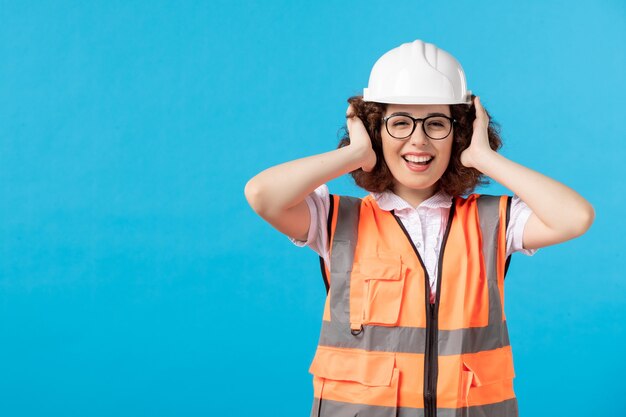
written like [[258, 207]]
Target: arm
[[277, 194], [559, 212]]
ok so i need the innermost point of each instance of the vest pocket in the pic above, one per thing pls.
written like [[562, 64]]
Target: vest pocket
[[383, 279], [355, 382], [485, 377]]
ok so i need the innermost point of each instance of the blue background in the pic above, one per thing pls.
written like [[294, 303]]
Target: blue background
[[136, 280]]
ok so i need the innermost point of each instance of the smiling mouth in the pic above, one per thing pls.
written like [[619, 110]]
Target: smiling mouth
[[418, 160]]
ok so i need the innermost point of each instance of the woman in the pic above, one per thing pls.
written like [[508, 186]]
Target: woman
[[414, 320]]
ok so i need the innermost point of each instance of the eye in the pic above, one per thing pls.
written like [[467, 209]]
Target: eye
[[400, 122], [437, 123]]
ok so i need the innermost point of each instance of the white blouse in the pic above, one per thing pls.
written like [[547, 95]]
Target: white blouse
[[425, 224]]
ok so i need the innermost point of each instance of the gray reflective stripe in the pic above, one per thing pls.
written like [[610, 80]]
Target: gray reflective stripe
[[330, 408], [342, 258], [412, 339], [473, 339], [374, 338], [488, 213]]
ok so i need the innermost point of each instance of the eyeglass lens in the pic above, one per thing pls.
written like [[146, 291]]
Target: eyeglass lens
[[435, 127]]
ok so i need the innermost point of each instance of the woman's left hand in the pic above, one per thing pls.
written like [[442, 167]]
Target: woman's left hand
[[480, 138]]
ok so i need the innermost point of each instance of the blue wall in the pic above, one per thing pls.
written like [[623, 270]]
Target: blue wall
[[135, 279]]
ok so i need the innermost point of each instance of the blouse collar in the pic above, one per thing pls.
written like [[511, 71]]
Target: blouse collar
[[388, 200]]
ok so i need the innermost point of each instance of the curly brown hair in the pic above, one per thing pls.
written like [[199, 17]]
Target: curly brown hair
[[457, 180]]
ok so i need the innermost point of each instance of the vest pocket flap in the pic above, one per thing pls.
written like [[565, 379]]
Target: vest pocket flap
[[385, 266], [368, 368], [488, 367]]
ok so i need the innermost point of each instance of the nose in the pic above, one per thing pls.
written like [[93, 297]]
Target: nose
[[418, 137]]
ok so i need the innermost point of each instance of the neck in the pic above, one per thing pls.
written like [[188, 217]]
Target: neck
[[414, 197]]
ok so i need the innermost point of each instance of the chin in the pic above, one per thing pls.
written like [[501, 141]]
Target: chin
[[414, 184]]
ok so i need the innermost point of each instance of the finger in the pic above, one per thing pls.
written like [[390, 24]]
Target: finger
[[478, 104], [349, 112], [481, 114]]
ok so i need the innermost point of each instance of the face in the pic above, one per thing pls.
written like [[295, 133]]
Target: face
[[415, 182]]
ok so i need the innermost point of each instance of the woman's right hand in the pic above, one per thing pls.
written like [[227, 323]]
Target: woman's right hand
[[278, 193], [360, 140]]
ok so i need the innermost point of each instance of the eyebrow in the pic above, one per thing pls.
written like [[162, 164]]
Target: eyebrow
[[403, 113]]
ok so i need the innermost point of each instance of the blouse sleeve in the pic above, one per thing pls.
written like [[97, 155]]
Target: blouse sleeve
[[317, 239], [515, 231]]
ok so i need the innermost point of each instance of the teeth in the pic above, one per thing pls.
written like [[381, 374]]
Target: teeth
[[413, 158]]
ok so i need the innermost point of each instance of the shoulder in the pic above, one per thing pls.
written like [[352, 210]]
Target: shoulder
[[323, 198], [320, 193], [481, 200], [489, 209]]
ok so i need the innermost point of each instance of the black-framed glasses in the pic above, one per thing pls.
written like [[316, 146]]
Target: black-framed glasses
[[402, 126]]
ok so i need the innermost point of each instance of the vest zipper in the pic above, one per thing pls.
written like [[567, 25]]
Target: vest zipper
[[430, 359], [431, 368]]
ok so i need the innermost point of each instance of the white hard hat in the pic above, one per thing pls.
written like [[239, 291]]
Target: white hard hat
[[417, 73]]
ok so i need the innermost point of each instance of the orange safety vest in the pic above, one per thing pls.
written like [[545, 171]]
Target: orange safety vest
[[384, 349]]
